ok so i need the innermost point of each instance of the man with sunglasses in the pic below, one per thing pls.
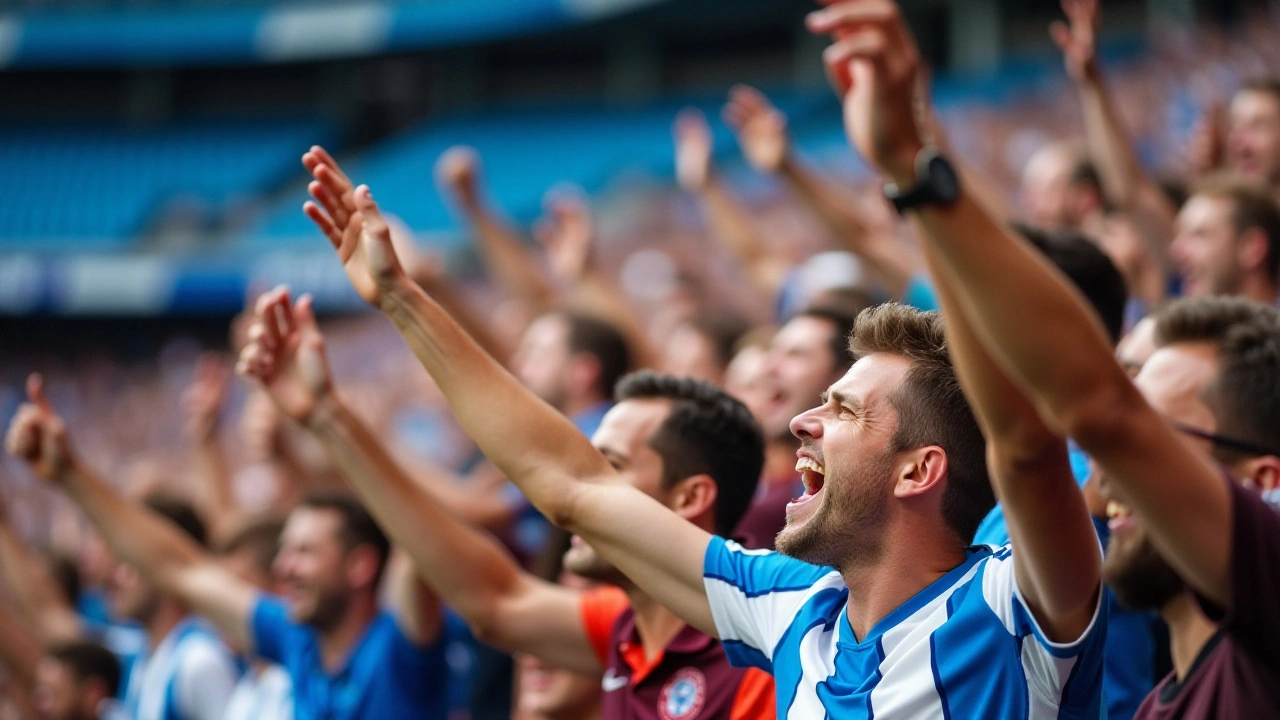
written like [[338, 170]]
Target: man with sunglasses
[[1209, 377]]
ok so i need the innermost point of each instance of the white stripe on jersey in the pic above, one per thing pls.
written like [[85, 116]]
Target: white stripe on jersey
[[964, 647]]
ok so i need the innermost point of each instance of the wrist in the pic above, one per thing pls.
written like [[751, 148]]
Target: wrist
[[900, 168], [327, 410], [394, 292]]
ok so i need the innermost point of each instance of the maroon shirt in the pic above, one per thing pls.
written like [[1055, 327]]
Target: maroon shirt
[[690, 680], [1237, 674], [767, 514]]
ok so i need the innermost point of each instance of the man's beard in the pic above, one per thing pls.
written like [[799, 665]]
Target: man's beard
[[1140, 578], [844, 531], [329, 610]]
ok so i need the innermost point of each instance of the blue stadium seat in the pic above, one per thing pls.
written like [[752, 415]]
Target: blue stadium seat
[[80, 186]]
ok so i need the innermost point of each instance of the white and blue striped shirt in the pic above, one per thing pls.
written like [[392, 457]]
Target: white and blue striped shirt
[[965, 647]]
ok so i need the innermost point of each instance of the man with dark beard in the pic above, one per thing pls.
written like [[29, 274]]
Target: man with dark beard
[[1202, 377]]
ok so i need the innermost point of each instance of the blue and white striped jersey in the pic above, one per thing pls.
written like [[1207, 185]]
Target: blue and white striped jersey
[[965, 647]]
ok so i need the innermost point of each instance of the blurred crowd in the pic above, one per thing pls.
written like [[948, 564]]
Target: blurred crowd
[[179, 541]]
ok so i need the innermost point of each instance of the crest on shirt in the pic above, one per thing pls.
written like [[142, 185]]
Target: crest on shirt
[[683, 696]]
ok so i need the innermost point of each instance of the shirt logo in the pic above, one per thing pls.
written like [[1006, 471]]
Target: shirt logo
[[683, 696], [612, 683]]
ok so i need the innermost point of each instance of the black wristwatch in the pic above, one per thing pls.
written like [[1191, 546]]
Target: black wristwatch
[[936, 183]]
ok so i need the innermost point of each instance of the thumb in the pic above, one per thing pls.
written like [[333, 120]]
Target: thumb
[[35, 392], [304, 313], [1061, 34]]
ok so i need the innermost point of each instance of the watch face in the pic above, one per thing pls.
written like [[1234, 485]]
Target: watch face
[[943, 180]]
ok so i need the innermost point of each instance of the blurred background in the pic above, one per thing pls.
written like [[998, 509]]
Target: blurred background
[[150, 177]]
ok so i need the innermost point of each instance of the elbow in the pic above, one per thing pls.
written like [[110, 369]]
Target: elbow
[[1100, 417]]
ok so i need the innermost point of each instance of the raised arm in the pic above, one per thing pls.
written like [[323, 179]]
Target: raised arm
[[1057, 558], [160, 551], [567, 233], [506, 253], [1051, 346], [204, 403], [731, 224], [539, 449], [1124, 181], [36, 597], [472, 573], [761, 130], [20, 648]]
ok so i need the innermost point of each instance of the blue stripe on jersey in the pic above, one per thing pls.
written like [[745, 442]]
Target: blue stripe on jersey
[[860, 664], [770, 572], [958, 660], [741, 654], [822, 610]]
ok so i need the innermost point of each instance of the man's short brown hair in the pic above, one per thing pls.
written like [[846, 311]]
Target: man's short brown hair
[[260, 534], [1245, 396], [932, 409], [1252, 207]]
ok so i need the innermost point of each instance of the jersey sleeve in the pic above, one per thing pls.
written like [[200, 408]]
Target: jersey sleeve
[[1254, 593], [270, 629], [754, 595], [205, 680], [1050, 667], [600, 608], [756, 698]]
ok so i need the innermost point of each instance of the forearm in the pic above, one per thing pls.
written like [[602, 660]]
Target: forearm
[[214, 495], [535, 446], [451, 300], [887, 259], [158, 549], [512, 265], [605, 299], [20, 649], [1054, 348], [1110, 147], [33, 591], [469, 569], [732, 227]]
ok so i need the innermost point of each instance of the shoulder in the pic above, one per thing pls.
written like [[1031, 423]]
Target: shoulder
[[759, 572]]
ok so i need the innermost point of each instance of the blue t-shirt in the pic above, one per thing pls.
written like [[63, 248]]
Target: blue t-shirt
[[385, 676], [965, 647]]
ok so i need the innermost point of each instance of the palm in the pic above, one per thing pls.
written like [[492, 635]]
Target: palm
[[1077, 37], [301, 379], [764, 141], [366, 252]]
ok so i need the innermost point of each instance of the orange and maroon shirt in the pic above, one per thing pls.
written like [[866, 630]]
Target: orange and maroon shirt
[[691, 679]]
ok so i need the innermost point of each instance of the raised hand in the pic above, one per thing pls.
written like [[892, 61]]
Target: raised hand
[[1077, 38], [363, 242], [566, 232], [693, 149], [874, 66], [286, 355], [204, 399], [38, 436], [1208, 140], [458, 175], [760, 127]]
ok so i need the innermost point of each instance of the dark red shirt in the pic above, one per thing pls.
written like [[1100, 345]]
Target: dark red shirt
[[691, 679], [1237, 674], [767, 514]]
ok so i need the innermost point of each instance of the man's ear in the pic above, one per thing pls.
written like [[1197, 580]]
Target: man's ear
[[694, 499], [920, 471], [362, 564], [1264, 472], [1251, 249]]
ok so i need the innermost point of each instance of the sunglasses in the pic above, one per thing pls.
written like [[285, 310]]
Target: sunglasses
[[1223, 441]]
